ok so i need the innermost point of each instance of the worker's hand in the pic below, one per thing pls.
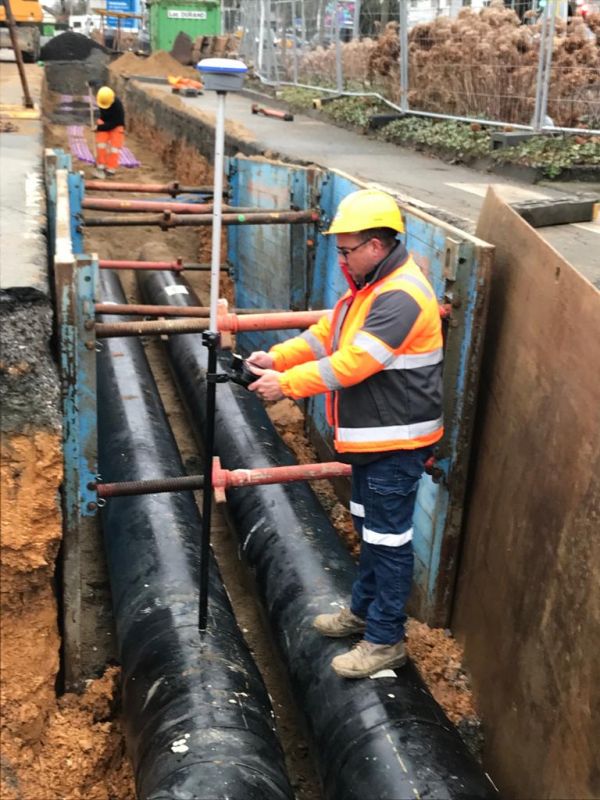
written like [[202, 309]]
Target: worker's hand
[[267, 387], [260, 359]]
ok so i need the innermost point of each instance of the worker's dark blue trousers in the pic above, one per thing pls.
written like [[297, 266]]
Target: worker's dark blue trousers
[[382, 506]]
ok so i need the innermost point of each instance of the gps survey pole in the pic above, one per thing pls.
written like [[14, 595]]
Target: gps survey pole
[[220, 75]]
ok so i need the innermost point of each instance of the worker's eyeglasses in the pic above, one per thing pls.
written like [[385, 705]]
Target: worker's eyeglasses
[[344, 252]]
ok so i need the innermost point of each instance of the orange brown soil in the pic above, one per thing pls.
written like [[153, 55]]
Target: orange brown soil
[[438, 657], [80, 754], [50, 748]]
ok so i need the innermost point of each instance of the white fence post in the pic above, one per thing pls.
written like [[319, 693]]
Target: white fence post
[[403, 34]]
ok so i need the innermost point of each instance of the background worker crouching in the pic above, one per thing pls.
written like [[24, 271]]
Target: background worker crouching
[[110, 132]]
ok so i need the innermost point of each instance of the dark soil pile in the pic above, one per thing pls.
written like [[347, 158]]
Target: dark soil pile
[[69, 46]]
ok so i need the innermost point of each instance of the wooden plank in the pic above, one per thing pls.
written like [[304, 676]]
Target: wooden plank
[[528, 606]]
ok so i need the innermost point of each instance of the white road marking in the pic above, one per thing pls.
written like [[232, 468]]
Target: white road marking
[[512, 194], [593, 227], [409, 199]]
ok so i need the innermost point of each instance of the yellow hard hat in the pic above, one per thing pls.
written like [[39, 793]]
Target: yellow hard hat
[[105, 97], [366, 209]]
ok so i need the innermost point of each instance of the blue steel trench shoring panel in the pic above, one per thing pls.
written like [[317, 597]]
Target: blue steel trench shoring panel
[[76, 191], [269, 262], [75, 278], [457, 266], [53, 160], [76, 285]]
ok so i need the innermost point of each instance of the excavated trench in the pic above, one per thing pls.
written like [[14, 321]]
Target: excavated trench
[[74, 747], [193, 245], [85, 733]]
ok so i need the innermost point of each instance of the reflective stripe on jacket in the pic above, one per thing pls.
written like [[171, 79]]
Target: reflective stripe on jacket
[[379, 358]]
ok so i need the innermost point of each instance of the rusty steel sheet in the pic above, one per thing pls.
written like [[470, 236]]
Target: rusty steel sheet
[[529, 583]]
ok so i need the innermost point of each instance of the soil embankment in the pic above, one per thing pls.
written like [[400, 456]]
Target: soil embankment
[[53, 748]]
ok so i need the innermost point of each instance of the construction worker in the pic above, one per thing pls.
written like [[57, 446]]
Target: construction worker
[[379, 359], [110, 132]]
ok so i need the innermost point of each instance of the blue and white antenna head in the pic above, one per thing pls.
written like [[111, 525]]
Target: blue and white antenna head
[[222, 74]]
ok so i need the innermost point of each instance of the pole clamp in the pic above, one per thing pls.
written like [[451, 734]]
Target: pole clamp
[[431, 468]]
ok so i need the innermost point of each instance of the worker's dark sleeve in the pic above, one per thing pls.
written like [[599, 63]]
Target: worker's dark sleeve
[[111, 118]]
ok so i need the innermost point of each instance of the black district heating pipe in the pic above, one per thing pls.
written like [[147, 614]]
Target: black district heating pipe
[[374, 739], [198, 720]]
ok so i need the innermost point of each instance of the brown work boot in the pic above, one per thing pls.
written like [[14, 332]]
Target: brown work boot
[[367, 658], [344, 623]]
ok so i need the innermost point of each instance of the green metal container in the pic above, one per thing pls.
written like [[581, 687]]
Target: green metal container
[[169, 17]]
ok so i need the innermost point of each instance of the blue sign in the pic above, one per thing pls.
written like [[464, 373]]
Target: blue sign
[[123, 6], [345, 12]]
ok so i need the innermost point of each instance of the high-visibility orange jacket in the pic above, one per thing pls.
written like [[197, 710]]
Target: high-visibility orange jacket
[[379, 358]]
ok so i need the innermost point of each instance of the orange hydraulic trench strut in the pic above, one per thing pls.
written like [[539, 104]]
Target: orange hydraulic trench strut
[[234, 323], [110, 204], [226, 322], [120, 263], [227, 478], [172, 188]]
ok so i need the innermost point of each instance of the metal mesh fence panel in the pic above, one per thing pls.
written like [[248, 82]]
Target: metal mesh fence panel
[[574, 86], [486, 64], [511, 63], [479, 64]]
